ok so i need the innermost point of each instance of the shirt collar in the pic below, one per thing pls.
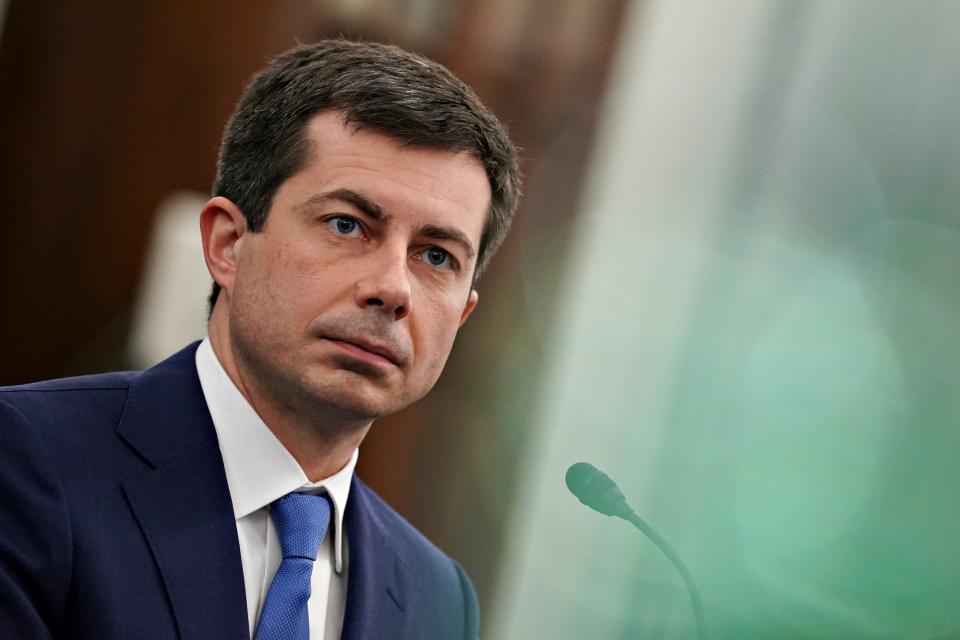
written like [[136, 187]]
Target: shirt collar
[[258, 467]]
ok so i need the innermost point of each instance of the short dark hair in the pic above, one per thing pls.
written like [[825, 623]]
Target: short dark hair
[[382, 87]]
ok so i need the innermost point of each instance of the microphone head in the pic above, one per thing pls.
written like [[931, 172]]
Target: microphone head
[[597, 490]]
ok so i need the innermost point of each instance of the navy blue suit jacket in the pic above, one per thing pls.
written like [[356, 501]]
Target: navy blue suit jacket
[[116, 522]]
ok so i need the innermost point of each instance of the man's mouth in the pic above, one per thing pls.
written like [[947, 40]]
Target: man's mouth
[[372, 353]]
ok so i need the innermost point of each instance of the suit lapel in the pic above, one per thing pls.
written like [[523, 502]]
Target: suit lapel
[[378, 583], [183, 504]]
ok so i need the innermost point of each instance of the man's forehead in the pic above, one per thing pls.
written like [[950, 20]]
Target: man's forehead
[[392, 175], [331, 128]]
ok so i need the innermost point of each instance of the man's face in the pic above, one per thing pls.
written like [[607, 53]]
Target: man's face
[[348, 301]]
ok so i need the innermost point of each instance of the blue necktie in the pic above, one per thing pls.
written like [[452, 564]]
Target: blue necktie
[[302, 521]]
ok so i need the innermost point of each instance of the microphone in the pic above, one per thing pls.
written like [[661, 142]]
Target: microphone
[[598, 491]]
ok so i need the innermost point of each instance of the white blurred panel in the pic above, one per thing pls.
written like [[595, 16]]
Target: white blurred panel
[[171, 307]]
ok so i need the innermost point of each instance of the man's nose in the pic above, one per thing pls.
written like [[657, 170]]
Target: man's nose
[[386, 285]]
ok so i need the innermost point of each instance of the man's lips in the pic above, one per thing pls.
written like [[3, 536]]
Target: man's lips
[[367, 351]]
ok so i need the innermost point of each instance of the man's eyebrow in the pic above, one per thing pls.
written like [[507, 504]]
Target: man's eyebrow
[[351, 197], [373, 210], [450, 234]]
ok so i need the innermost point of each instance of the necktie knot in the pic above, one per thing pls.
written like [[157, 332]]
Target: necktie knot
[[302, 521]]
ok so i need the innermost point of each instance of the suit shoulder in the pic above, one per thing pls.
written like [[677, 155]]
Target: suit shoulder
[[441, 580], [401, 531], [413, 549], [51, 404], [101, 381]]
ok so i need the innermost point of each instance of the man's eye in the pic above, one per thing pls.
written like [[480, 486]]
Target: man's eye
[[344, 226], [437, 258]]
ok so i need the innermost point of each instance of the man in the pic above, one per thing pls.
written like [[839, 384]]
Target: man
[[360, 192]]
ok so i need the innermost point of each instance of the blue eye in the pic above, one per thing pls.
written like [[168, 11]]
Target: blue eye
[[344, 225], [436, 257]]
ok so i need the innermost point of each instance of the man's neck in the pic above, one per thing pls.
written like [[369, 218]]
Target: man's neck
[[320, 444]]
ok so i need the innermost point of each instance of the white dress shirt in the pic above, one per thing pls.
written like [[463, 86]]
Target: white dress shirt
[[259, 470]]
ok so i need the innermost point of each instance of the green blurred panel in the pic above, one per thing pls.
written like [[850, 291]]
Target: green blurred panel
[[762, 335], [828, 500]]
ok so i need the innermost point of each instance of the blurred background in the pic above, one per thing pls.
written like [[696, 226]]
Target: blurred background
[[732, 284]]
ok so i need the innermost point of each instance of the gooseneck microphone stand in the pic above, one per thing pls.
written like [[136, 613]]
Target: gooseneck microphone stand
[[598, 491]]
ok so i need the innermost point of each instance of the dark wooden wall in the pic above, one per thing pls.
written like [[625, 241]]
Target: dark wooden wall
[[108, 106]]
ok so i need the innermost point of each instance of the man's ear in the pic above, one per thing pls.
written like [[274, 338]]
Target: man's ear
[[222, 226], [470, 306]]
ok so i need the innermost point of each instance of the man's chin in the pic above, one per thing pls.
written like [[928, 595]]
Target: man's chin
[[354, 401]]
